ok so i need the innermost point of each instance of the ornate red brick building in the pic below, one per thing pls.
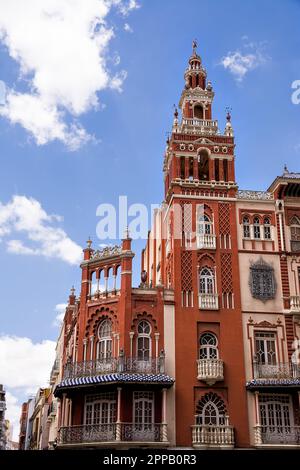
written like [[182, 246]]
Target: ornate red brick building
[[189, 358]]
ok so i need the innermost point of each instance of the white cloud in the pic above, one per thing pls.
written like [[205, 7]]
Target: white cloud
[[60, 313], [13, 413], [2, 92], [61, 47], [24, 367], [126, 7], [26, 216], [239, 63], [128, 28], [24, 364]]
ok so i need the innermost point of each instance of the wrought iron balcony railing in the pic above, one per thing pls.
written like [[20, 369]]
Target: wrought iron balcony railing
[[282, 370], [130, 365], [210, 370], [295, 303], [87, 433], [208, 301], [113, 432], [206, 241], [144, 432], [279, 434], [212, 436]]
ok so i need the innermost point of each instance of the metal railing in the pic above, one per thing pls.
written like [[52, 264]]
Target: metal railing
[[278, 434], [121, 364], [112, 432], [144, 432], [208, 301], [281, 370], [210, 370], [213, 436], [87, 433]]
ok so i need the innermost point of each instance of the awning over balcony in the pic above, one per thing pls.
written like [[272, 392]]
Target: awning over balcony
[[282, 384], [159, 379]]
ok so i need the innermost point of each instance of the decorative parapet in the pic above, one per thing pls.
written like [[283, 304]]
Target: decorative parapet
[[107, 252], [255, 195]]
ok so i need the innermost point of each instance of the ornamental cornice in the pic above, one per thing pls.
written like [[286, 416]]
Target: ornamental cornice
[[255, 195]]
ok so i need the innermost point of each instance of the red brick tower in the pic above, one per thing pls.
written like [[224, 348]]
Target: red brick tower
[[201, 265]]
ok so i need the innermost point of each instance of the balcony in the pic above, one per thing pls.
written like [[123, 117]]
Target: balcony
[[194, 125], [276, 435], [206, 241], [208, 302], [2, 405], [54, 372], [113, 433], [106, 294], [210, 370], [129, 365], [295, 303], [206, 436], [276, 371]]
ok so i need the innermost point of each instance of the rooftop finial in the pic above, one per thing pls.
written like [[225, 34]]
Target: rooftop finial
[[175, 111], [72, 290], [286, 170], [195, 45], [228, 114], [89, 243], [126, 233]]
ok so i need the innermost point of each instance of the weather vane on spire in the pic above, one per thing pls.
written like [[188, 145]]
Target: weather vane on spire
[[195, 45]]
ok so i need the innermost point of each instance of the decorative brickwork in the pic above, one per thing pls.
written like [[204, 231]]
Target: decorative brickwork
[[224, 218], [186, 271], [226, 273]]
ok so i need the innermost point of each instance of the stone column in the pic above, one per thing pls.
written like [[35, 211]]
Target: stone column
[[118, 423], [131, 335], [84, 348], [91, 347], [156, 344], [164, 431], [257, 431]]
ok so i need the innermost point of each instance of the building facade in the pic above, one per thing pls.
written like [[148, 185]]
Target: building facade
[[23, 425], [2, 418], [204, 353]]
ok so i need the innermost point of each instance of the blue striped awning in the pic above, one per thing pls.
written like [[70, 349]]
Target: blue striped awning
[[114, 378], [272, 383]]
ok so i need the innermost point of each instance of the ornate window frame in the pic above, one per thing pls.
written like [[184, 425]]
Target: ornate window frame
[[208, 346], [262, 281], [146, 338]]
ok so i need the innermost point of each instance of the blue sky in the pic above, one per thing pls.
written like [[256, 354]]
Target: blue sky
[[261, 41]]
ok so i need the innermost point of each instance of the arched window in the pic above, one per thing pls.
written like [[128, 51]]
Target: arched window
[[204, 224], [198, 111], [144, 341], [206, 281], [246, 227], [105, 340], [211, 411], [208, 346], [256, 227], [295, 234], [267, 228], [203, 170]]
